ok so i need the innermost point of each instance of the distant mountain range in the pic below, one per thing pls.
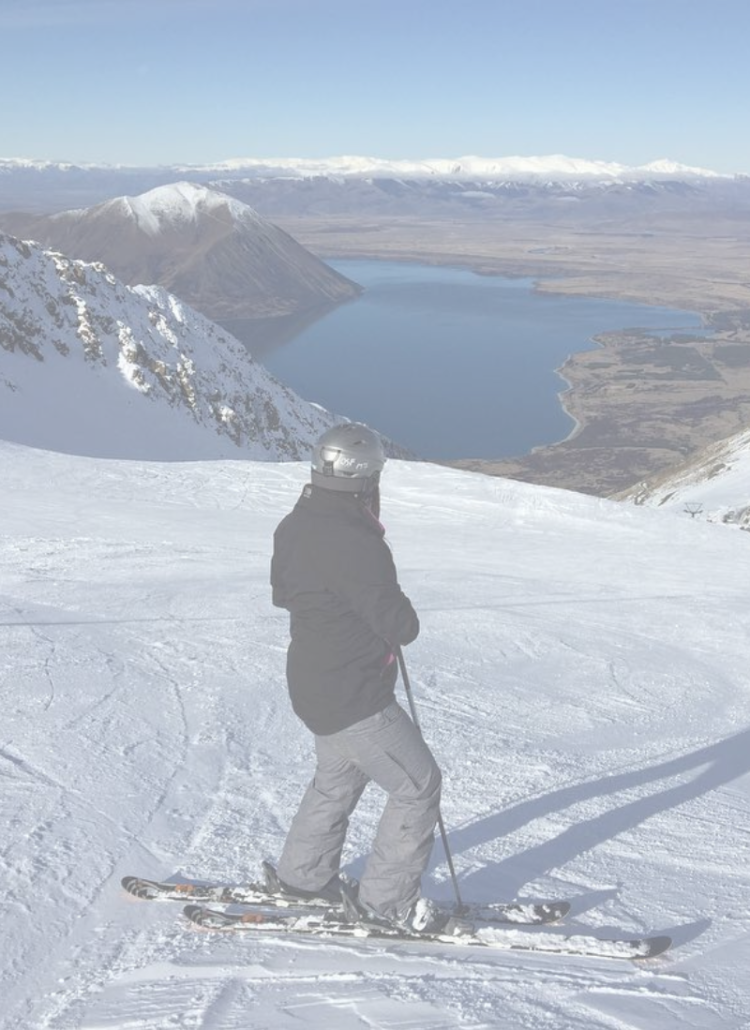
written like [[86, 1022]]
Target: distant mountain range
[[466, 187], [91, 366], [555, 166], [210, 249]]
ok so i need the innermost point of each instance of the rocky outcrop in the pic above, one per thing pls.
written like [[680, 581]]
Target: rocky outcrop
[[92, 366]]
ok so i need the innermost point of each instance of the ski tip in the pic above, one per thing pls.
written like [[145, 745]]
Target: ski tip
[[153, 890], [206, 918], [196, 916], [137, 888]]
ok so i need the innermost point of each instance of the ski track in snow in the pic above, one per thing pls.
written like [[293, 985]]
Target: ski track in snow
[[581, 677]]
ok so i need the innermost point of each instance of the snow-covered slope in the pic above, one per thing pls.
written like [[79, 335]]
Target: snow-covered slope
[[715, 485], [209, 249], [91, 366], [581, 676], [165, 208]]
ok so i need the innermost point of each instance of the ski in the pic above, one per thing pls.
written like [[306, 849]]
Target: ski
[[329, 925], [530, 912], [258, 895], [219, 893]]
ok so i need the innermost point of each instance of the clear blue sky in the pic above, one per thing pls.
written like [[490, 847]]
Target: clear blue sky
[[194, 81]]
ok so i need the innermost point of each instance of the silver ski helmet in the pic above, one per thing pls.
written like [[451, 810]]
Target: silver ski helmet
[[349, 457]]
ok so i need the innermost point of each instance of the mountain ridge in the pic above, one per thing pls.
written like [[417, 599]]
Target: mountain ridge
[[47, 186], [469, 166], [91, 366]]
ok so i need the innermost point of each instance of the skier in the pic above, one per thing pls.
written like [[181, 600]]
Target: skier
[[334, 573]]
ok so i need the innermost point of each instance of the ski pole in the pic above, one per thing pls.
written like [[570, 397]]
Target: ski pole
[[441, 824]]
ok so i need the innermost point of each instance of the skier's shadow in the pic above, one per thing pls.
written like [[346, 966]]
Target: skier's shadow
[[715, 765]]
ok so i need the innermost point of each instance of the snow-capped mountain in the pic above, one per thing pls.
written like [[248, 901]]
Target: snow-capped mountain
[[91, 366], [448, 186], [551, 166], [714, 485], [211, 250]]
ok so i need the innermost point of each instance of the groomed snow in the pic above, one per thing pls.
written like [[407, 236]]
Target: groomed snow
[[581, 676]]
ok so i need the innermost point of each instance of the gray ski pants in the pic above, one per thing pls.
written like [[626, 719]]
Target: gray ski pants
[[388, 749]]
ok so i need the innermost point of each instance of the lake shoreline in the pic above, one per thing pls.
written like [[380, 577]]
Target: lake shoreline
[[471, 364], [694, 264], [642, 406]]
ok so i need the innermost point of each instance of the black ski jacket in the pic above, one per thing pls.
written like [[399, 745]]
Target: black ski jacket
[[334, 573]]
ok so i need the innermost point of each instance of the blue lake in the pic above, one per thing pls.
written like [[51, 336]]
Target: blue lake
[[449, 363]]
